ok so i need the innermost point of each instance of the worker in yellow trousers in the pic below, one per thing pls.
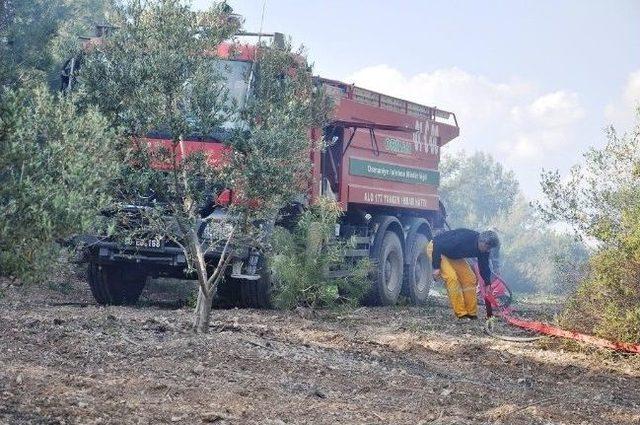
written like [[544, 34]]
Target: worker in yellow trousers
[[448, 251]]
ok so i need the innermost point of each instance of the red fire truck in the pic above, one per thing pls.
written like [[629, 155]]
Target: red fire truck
[[381, 166]]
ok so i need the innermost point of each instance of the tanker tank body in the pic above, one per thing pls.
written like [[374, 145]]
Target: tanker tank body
[[381, 165]]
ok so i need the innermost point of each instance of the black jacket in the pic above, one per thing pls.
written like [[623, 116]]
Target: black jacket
[[457, 244]]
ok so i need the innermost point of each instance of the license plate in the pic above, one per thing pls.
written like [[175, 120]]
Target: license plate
[[145, 243]]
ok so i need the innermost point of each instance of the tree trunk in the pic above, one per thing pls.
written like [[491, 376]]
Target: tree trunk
[[203, 312], [208, 285]]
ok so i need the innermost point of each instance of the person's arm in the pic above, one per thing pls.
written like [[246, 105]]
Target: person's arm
[[483, 265]]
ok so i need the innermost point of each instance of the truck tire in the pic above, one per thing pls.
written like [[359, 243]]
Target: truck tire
[[417, 277], [387, 281], [115, 284], [257, 293]]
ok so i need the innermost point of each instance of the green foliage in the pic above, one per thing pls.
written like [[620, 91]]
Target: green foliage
[[607, 302], [302, 257], [598, 196], [56, 167], [271, 161], [479, 193], [600, 199], [51, 181], [23, 44], [157, 70], [146, 78], [157, 74], [35, 37]]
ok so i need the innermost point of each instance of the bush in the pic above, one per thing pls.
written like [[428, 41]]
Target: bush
[[608, 301], [56, 165], [302, 257]]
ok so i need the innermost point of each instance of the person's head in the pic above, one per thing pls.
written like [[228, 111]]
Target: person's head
[[488, 240]]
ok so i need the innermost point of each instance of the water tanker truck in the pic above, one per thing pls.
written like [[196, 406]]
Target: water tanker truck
[[381, 166]]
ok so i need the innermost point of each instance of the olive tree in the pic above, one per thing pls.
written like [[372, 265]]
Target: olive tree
[[52, 182], [158, 74], [597, 195]]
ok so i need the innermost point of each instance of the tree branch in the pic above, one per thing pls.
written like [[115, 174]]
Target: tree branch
[[222, 259]]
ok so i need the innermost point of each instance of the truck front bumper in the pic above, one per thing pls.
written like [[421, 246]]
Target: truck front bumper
[[110, 252], [100, 250], [103, 251]]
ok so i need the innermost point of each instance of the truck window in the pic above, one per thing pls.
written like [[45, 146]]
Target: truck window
[[235, 77], [234, 82]]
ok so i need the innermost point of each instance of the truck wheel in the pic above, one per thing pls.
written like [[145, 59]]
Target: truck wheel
[[115, 284], [256, 293], [387, 281], [417, 279]]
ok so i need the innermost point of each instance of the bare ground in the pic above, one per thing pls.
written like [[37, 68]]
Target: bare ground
[[64, 360]]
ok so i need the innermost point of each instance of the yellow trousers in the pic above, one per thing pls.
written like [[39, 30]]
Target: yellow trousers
[[460, 282]]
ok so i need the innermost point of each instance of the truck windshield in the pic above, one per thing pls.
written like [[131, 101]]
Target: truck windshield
[[235, 76], [234, 80]]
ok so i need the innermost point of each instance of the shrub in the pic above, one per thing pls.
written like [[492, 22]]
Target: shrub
[[56, 166], [601, 200], [302, 257], [607, 302]]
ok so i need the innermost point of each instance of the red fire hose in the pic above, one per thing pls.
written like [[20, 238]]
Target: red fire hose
[[545, 328]]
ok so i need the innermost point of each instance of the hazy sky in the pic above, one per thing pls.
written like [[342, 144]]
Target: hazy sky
[[532, 82]]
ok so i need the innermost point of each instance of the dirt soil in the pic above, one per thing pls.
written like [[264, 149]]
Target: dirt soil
[[64, 360]]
